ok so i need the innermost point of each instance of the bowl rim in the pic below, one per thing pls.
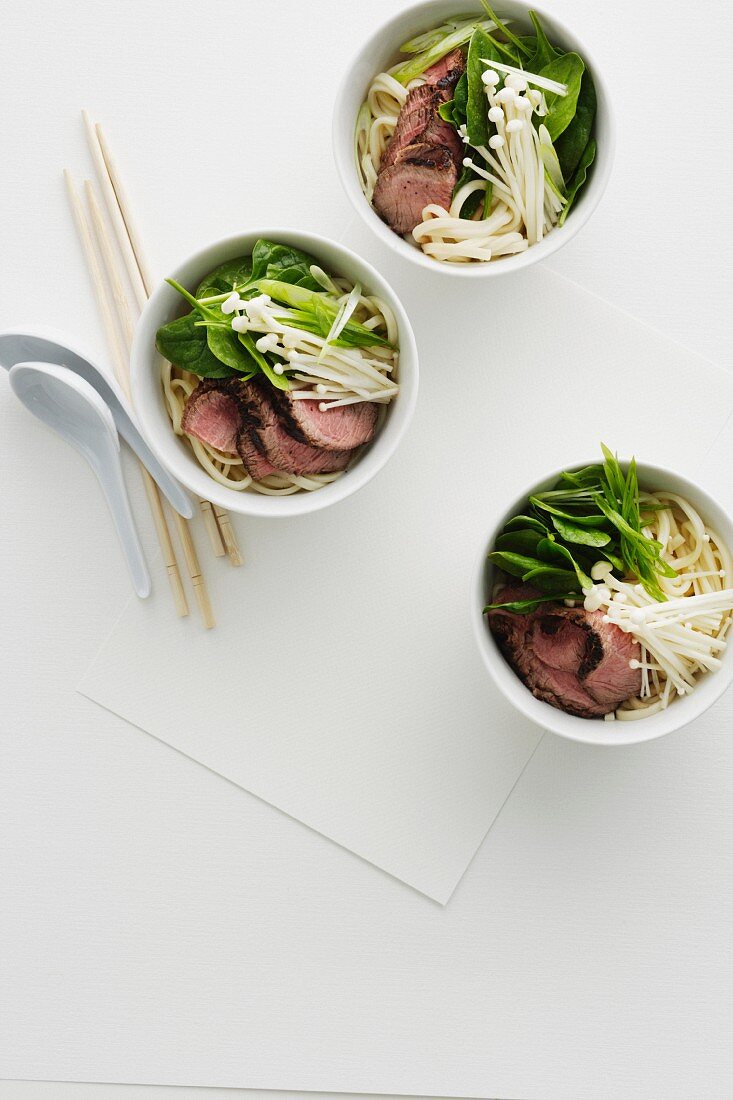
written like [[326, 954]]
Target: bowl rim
[[194, 477], [602, 167], [592, 732]]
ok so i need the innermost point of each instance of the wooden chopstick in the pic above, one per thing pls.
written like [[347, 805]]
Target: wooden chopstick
[[217, 543], [141, 280], [110, 201], [120, 365], [200, 590], [227, 534], [125, 210], [114, 275]]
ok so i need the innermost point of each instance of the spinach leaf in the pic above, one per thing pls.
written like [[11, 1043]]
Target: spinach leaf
[[578, 180], [223, 343], [279, 261], [525, 521], [522, 607], [578, 535], [573, 142], [567, 69], [551, 579], [544, 51], [546, 576], [447, 112], [583, 521], [454, 111], [460, 97], [551, 549], [184, 344], [516, 565], [280, 381], [223, 279], [523, 541], [480, 49]]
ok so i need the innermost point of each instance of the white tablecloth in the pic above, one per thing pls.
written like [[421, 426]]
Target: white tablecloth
[[605, 885]]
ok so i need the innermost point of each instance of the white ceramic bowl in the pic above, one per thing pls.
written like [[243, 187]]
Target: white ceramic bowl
[[165, 304], [382, 49], [596, 731]]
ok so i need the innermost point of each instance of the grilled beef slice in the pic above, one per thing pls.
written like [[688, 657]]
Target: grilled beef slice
[[265, 436], [422, 161], [213, 415], [567, 656], [339, 429], [421, 174]]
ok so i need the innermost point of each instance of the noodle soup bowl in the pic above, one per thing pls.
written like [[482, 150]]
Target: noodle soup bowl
[[166, 304], [681, 711], [381, 50]]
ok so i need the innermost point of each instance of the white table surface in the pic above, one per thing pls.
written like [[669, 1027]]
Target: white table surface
[[606, 882]]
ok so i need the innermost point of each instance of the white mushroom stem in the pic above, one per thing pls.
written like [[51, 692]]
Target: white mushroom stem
[[676, 633], [529, 78]]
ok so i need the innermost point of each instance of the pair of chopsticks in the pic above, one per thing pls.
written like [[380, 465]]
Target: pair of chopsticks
[[117, 319]]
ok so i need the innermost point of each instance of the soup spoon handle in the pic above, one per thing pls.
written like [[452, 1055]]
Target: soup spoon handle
[[110, 478]]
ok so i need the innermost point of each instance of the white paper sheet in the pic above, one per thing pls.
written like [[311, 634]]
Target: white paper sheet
[[342, 683]]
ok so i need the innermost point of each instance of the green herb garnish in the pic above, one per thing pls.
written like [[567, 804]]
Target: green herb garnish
[[590, 514]]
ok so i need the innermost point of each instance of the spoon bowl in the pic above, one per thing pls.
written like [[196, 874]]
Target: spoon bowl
[[23, 345]]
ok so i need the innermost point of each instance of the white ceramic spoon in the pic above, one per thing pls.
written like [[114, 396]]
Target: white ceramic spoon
[[38, 344], [76, 412]]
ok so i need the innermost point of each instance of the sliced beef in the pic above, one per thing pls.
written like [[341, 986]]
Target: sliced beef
[[440, 132], [265, 436], [212, 414], [422, 161], [417, 112], [421, 174], [446, 73], [567, 656], [253, 457], [339, 429]]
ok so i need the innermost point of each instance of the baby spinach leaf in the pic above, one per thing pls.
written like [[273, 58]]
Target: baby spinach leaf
[[515, 564], [522, 607], [582, 536], [447, 112], [550, 579], [552, 549], [279, 261], [567, 69], [578, 180], [519, 542], [460, 96], [184, 344], [582, 521], [572, 143], [223, 343], [525, 521], [544, 575], [454, 111], [223, 279], [544, 52], [480, 49], [280, 381]]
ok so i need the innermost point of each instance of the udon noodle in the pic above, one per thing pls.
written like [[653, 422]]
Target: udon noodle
[[333, 375], [704, 569], [510, 226]]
